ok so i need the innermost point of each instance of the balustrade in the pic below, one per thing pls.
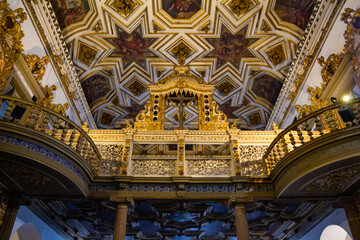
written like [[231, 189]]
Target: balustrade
[[310, 127], [40, 118]]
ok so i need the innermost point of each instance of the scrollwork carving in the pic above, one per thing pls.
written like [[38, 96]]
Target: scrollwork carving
[[336, 181]]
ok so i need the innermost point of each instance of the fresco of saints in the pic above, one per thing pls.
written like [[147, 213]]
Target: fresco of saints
[[295, 11], [70, 11]]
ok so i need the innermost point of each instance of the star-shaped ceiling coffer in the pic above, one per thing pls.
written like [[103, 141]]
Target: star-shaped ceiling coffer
[[119, 47], [131, 47], [231, 47]]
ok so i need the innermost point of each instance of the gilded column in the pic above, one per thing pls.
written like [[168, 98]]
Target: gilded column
[[9, 218], [120, 222], [353, 219], [242, 227]]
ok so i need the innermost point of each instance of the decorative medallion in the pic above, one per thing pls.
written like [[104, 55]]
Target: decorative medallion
[[86, 54], [181, 52], [267, 87], [276, 54], [226, 87], [239, 7], [254, 119], [136, 88], [265, 27], [107, 119], [181, 9], [231, 47], [131, 47]]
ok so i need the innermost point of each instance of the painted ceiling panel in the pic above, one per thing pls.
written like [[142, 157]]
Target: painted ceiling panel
[[242, 47]]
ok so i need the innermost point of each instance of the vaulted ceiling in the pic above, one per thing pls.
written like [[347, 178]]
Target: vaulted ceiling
[[243, 47]]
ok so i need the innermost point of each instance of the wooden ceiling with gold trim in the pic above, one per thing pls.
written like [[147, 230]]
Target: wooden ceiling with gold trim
[[243, 47]]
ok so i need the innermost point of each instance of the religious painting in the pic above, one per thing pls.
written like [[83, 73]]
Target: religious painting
[[131, 47], [181, 9], [70, 11], [95, 87], [295, 11], [228, 109], [231, 47], [267, 87], [133, 110]]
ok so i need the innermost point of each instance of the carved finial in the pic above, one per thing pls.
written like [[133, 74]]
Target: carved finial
[[85, 127], [275, 126]]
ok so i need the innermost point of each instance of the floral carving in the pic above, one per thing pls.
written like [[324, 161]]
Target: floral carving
[[110, 158], [251, 160], [208, 167], [153, 167]]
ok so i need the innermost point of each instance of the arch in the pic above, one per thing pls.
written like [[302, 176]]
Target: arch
[[28, 231], [334, 232]]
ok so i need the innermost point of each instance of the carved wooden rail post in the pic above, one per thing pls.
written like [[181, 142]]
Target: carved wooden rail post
[[180, 152], [126, 164], [235, 169]]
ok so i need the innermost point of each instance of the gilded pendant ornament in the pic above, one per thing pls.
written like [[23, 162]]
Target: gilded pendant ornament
[[86, 54], [10, 39], [239, 7], [181, 52]]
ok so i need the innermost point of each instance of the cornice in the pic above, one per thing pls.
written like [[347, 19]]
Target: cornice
[[50, 33], [319, 26]]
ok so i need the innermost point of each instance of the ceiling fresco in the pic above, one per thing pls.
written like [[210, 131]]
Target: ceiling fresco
[[244, 48]]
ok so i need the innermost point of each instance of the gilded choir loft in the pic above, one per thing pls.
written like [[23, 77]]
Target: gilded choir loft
[[179, 119]]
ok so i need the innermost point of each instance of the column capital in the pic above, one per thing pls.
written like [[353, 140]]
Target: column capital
[[122, 197]]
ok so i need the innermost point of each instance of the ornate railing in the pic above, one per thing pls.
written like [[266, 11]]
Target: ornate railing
[[43, 119], [314, 125]]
